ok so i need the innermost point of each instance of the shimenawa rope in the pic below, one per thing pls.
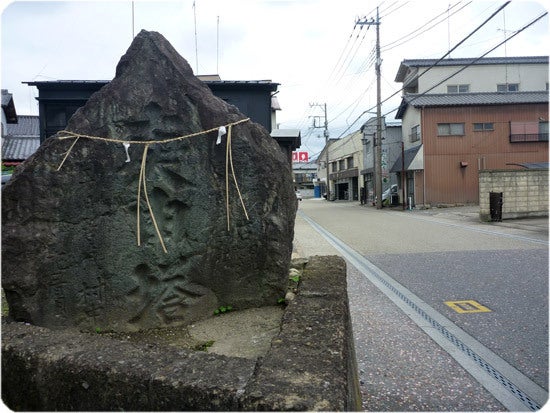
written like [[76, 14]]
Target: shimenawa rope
[[142, 180]]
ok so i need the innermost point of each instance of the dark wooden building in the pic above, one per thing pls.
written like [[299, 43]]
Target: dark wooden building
[[58, 100]]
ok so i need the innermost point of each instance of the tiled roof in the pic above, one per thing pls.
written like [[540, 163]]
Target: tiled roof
[[406, 64], [22, 138], [286, 133], [8, 107], [476, 99], [27, 125], [19, 148], [482, 61], [6, 97]]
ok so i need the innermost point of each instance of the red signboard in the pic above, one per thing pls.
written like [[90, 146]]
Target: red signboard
[[300, 157]]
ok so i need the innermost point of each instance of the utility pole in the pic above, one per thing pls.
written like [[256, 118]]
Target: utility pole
[[324, 107], [378, 138]]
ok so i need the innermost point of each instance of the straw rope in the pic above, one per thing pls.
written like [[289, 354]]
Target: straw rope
[[142, 180], [229, 159], [142, 177]]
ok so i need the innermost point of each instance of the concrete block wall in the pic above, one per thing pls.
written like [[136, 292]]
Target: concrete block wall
[[524, 192]]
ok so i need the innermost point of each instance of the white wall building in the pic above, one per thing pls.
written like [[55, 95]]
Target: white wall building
[[489, 74]]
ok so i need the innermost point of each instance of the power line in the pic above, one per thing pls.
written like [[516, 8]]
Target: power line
[[394, 10], [475, 60], [353, 56], [437, 62], [386, 46], [341, 54]]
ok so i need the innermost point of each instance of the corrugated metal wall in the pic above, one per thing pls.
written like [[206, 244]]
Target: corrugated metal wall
[[451, 163]]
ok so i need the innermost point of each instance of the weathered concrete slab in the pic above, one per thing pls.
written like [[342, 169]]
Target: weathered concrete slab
[[310, 366]]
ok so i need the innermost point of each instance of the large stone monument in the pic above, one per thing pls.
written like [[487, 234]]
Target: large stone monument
[[158, 204]]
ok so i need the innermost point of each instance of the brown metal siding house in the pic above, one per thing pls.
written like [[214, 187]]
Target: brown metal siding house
[[452, 162]]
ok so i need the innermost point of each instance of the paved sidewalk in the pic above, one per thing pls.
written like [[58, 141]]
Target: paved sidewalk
[[470, 213]]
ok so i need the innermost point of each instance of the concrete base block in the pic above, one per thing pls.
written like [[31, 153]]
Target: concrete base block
[[310, 366]]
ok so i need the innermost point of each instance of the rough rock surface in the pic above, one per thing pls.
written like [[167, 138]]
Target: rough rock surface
[[69, 252]]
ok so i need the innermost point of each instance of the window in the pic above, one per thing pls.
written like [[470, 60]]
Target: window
[[508, 87], [458, 88], [479, 127], [341, 164], [350, 162], [450, 129], [333, 166], [415, 133]]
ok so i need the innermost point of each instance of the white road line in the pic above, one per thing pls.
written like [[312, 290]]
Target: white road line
[[509, 386]]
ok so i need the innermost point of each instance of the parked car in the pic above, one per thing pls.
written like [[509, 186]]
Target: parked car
[[298, 195], [5, 178]]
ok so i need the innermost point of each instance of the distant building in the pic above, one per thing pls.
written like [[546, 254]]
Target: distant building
[[305, 176], [9, 115], [461, 116], [391, 150], [345, 161], [20, 135], [21, 140], [58, 100]]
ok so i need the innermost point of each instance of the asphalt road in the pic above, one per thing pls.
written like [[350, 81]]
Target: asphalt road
[[415, 352]]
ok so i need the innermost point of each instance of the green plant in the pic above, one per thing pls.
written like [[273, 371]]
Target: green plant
[[281, 301], [295, 278], [204, 346], [223, 309], [98, 330]]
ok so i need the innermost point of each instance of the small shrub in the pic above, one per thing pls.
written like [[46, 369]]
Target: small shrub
[[223, 309], [204, 346]]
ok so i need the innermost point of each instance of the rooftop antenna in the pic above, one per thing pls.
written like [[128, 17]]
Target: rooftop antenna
[[196, 47], [133, 32], [218, 47], [449, 28], [505, 49]]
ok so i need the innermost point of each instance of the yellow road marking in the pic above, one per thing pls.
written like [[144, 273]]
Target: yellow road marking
[[467, 306]]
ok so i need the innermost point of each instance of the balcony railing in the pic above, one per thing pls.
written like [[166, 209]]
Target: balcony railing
[[529, 137]]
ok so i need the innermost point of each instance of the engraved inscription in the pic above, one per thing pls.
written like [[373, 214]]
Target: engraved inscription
[[91, 298], [57, 293]]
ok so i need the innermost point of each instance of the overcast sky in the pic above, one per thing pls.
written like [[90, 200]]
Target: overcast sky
[[311, 47]]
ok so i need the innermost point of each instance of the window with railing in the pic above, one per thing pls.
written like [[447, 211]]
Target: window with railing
[[341, 164], [350, 162], [529, 131]]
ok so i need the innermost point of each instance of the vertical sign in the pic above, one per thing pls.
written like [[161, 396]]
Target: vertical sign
[[300, 157]]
